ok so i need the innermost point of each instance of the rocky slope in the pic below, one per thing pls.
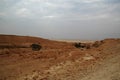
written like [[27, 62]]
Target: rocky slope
[[58, 60]]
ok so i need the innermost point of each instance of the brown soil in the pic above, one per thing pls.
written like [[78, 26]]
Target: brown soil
[[58, 60]]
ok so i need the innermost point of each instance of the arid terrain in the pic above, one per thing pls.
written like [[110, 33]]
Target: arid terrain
[[57, 60]]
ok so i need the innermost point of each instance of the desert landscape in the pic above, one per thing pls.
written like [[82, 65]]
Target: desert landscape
[[59, 39], [58, 60]]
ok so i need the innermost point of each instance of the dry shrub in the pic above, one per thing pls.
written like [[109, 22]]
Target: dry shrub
[[78, 45], [83, 45], [36, 47]]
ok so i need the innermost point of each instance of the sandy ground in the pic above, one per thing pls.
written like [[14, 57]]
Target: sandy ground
[[58, 60], [73, 41], [108, 70]]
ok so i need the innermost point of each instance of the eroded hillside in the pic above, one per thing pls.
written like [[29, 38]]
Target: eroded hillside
[[58, 60]]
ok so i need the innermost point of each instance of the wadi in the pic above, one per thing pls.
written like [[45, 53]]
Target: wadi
[[33, 58]]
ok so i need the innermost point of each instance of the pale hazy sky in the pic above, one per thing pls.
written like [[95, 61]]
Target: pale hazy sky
[[61, 19]]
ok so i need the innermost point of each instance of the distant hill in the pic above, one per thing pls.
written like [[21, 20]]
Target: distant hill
[[20, 39], [27, 40]]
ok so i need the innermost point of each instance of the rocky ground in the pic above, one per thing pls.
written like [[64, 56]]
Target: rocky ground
[[58, 60]]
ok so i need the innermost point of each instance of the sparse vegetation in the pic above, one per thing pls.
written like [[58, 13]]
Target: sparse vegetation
[[36, 47], [77, 45], [81, 45], [58, 60]]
